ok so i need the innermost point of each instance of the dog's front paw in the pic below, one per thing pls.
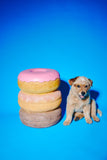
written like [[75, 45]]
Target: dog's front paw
[[66, 123], [89, 121]]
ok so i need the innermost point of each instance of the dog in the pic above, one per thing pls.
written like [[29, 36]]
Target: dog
[[79, 102]]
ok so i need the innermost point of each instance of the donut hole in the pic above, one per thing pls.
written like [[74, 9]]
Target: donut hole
[[38, 70]]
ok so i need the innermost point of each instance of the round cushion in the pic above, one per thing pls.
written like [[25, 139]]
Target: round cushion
[[40, 120], [38, 80], [39, 102]]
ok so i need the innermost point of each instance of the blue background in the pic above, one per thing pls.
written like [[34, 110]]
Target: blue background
[[71, 37]]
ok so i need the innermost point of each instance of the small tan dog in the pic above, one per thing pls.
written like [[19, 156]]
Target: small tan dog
[[79, 102]]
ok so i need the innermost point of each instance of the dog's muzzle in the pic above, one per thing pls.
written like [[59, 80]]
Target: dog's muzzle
[[82, 95]]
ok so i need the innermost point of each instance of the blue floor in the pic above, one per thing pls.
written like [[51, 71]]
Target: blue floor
[[71, 37], [77, 141]]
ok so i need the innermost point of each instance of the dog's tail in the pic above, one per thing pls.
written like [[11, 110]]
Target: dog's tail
[[99, 112]]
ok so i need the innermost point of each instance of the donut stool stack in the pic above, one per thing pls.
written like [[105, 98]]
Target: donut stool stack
[[39, 98]]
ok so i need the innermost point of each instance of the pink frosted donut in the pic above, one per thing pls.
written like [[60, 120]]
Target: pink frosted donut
[[39, 102], [38, 80]]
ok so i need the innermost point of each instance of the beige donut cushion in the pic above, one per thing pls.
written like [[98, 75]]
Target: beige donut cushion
[[39, 102]]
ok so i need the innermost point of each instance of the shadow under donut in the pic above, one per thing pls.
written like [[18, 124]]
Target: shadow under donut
[[64, 88]]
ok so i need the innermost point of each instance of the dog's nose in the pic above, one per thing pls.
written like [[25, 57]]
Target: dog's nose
[[82, 93]]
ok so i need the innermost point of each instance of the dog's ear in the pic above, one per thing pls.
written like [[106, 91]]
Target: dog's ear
[[71, 81], [91, 81]]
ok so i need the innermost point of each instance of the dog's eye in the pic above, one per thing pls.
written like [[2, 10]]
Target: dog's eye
[[86, 86], [78, 86]]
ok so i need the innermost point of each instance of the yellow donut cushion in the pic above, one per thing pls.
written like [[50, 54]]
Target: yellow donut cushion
[[39, 87], [39, 102], [38, 80]]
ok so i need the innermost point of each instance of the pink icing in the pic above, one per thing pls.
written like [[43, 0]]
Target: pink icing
[[38, 75], [37, 98]]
